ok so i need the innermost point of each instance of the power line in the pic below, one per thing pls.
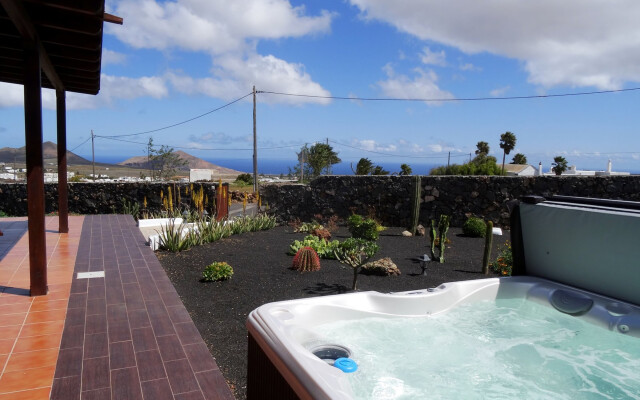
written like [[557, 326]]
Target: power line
[[393, 155], [542, 96], [80, 144], [179, 123]]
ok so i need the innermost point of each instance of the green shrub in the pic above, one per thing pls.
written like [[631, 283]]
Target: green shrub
[[474, 227], [361, 228], [173, 239], [244, 179], [305, 260], [325, 249], [218, 271], [503, 265], [354, 253], [308, 227]]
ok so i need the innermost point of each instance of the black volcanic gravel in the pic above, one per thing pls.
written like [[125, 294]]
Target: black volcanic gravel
[[262, 275]]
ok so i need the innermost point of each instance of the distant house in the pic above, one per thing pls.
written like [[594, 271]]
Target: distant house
[[200, 175], [519, 170]]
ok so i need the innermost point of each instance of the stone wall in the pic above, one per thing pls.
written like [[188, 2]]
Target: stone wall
[[388, 197], [98, 198]]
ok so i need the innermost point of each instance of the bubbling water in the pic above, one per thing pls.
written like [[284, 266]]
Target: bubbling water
[[502, 349]]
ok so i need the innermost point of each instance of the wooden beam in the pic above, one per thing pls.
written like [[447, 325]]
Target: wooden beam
[[35, 169], [112, 19], [63, 202], [18, 15]]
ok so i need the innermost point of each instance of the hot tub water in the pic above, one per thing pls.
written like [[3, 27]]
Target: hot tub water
[[507, 348]]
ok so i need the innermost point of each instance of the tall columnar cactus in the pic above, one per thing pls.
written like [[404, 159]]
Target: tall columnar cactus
[[415, 214], [443, 227], [488, 242], [306, 259], [432, 239]]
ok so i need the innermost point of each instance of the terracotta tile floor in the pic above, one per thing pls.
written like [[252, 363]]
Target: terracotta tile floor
[[31, 327], [122, 336]]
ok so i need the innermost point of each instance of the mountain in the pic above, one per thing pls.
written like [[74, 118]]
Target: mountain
[[50, 154], [193, 162]]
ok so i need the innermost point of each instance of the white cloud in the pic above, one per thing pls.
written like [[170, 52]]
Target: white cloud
[[216, 138], [112, 88], [372, 145], [229, 32], [112, 57], [422, 86], [213, 26], [235, 75], [12, 95], [429, 57], [469, 67], [498, 92], [571, 42]]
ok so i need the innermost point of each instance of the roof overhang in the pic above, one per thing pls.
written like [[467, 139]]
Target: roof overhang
[[69, 35]]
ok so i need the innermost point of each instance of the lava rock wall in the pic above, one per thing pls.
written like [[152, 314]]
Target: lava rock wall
[[388, 198]]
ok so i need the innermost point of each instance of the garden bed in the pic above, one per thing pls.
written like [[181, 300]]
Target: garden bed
[[262, 275]]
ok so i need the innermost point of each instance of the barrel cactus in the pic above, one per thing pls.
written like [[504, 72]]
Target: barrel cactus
[[306, 259]]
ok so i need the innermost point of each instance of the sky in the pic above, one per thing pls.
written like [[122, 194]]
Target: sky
[[172, 61]]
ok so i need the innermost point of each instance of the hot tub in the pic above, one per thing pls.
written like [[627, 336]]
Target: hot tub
[[564, 329]]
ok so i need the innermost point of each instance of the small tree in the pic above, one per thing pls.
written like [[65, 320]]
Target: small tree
[[519, 158], [507, 143], [166, 161], [560, 165], [355, 253], [321, 157], [405, 169], [364, 167], [378, 170]]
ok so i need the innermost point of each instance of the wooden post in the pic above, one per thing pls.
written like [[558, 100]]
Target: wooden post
[[35, 171], [63, 198], [255, 146]]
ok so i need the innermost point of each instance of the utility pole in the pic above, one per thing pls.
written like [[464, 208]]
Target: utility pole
[[93, 156], [303, 152], [329, 164], [255, 145], [448, 160], [469, 157]]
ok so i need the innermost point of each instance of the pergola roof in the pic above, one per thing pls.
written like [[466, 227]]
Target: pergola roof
[[69, 33]]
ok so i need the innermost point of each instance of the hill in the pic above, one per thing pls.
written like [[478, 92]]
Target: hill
[[193, 162], [50, 154]]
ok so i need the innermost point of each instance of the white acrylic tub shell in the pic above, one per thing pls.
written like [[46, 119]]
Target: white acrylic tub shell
[[285, 330]]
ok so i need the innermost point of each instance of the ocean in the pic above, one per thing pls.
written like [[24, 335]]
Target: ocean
[[277, 167], [281, 166]]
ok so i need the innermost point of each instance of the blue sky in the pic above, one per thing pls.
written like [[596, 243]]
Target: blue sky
[[175, 60]]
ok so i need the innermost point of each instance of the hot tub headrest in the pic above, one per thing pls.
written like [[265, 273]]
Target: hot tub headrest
[[590, 245]]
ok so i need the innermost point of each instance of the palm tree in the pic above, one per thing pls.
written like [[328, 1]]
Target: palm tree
[[507, 143], [560, 165]]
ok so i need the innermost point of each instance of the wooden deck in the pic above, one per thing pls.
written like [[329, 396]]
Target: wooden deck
[[122, 336]]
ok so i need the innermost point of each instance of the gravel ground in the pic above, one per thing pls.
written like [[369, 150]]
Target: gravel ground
[[262, 275]]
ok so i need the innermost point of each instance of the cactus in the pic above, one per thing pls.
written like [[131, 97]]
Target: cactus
[[443, 227], [306, 259], [432, 238], [415, 214], [488, 241]]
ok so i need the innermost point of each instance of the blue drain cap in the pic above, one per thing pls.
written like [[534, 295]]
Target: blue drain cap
[[346, 365]]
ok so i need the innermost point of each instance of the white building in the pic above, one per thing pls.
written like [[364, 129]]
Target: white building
[[573, 171], [519, 170], [200, 175]]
